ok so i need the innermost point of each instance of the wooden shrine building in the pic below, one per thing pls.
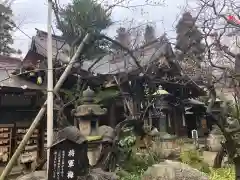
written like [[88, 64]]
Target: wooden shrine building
[[20, 101], [150, 66], [139, 75]]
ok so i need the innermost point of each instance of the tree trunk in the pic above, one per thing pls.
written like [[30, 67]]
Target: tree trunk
[[219, 158], [237, 171], [237, 168], [112, 115]]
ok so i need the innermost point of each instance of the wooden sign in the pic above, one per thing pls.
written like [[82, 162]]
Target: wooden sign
[[194, 134], [195, 137], [68, 160]]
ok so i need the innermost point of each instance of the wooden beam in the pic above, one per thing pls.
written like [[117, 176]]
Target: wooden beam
[[13, 141], [40, 141]]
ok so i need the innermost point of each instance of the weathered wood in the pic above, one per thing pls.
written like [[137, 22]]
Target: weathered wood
[[40, 142], [13, 141], [112, 115], [237, 171], [237, 168]]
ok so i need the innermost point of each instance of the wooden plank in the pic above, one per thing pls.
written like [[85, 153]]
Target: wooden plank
[[23, 124], [6, 125], [13, 141]]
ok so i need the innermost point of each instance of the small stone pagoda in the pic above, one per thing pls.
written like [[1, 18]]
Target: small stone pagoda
[[87, 115]]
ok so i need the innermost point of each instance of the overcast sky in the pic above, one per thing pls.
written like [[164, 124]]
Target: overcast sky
[[31, 14]]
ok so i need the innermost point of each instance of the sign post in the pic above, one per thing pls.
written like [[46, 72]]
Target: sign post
[[195, 138], [68, 160]]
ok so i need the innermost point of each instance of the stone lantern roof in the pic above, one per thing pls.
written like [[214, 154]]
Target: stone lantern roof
[[89, 107], [88, 95]]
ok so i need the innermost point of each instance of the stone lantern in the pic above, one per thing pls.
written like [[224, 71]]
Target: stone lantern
[[87, 115], [161, 108]]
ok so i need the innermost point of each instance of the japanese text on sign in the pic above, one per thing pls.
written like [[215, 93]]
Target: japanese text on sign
[[70, 173]]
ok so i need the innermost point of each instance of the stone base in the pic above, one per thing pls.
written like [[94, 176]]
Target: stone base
[[214, 142], [93, 156], [173, 170]]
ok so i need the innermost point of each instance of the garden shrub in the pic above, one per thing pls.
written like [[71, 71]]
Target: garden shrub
[[137, 165], [216, 174], [222, 174], [193, 159]]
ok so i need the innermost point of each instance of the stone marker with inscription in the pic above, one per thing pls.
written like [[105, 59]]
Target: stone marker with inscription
[[68, 160]]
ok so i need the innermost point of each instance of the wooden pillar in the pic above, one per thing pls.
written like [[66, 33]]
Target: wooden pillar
[[13, 140], [176, 121], [112, 115], [40, 141], [184, 123], [137, 105]]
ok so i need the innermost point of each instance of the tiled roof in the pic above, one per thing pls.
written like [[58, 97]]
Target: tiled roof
[[109, 64], [59, 47], [122, 62], [7, 66]]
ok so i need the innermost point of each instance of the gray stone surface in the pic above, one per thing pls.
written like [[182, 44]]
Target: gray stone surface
[[95, 174], [214, 142], [72, 133], [98, 174], [37, 175], [107, 133], [172, 170], [214, 139]]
